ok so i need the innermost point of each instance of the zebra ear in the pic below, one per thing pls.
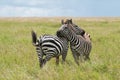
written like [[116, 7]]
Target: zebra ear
[[62, 21], [69, 21]]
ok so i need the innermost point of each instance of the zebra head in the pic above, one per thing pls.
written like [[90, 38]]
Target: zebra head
[[67, 31], [78, 30]]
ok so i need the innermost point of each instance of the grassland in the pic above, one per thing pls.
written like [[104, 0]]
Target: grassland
[[18, 58]]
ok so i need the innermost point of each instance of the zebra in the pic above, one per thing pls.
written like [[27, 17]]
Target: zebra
[[48, 46], [52, 46], [80, 45]]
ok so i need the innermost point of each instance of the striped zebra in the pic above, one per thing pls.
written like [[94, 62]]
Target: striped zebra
[[80, 45], [48, 46]]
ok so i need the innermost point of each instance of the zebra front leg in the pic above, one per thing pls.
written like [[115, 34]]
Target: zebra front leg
[[75, 55], [64, 57], [76, 58]]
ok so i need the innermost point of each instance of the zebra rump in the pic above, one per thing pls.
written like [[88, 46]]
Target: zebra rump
[[48, 46]]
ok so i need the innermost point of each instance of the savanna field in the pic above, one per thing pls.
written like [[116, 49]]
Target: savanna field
[[19, 61]]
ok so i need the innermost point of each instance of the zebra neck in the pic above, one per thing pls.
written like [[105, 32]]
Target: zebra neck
[[74, 39], [63, 39]]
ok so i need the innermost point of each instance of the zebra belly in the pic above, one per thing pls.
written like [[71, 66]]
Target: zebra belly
[[50, 51]]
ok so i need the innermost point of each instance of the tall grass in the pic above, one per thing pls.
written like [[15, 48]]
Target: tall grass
[[19, 61]]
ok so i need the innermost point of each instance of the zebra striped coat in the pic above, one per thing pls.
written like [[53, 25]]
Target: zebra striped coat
[[80, 47], [49, 46]]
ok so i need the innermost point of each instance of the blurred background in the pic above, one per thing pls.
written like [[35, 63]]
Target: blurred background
[[57, 8]]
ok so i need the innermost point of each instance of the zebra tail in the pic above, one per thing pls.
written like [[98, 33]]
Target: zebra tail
[[34, 38]]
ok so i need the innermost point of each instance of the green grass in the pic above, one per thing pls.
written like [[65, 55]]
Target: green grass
[[19, 61]]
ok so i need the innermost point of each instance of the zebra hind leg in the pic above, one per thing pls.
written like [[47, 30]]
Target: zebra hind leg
[[47, 58], [87, 58], [40, 60], [57, 60], [41, 63], [40, 56]]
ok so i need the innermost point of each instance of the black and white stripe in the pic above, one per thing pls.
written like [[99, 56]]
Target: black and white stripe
[[80, 46], [48, 46]]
